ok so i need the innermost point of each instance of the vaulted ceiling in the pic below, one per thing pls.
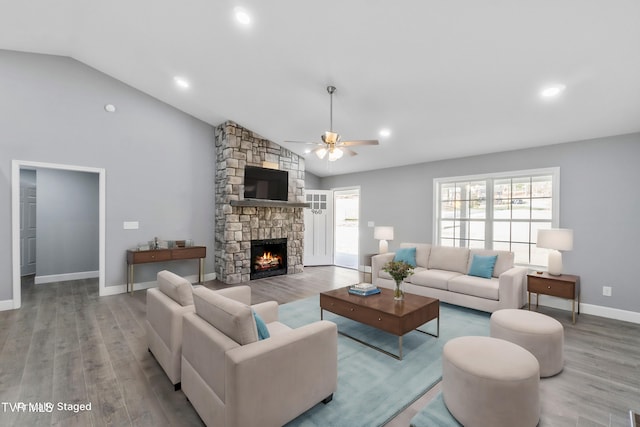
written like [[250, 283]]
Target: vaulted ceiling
[[447, 78]]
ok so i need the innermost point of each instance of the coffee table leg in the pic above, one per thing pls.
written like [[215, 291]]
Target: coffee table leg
[[400, 347], [437, 334]]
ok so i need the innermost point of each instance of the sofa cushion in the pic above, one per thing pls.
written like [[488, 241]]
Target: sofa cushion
[[475, 286], [482, 265], [449, 258], [175, 287], [504, 261], [232, 318], [407, 255], [422, 252], [432, 278]]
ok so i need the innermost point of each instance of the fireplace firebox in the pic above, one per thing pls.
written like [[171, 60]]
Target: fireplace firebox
[[268, 258]]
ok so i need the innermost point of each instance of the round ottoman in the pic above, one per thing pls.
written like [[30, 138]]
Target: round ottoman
[[490, 382], [542, 335]]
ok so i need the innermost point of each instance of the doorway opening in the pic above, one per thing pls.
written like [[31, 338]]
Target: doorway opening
[[16, 167], [346, 234]]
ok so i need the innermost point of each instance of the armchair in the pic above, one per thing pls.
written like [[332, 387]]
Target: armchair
[[233, 379], [166, 306]]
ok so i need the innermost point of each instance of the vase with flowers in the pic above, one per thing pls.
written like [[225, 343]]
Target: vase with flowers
[[399, 270]]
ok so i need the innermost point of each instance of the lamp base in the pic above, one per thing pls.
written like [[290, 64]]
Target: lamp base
[[383, 247], [555, 263]]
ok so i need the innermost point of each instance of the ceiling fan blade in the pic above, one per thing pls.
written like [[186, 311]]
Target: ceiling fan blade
[[354, 142], [305, 142], [348, 151]]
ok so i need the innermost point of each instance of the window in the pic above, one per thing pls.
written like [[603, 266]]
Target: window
[[498, 211]]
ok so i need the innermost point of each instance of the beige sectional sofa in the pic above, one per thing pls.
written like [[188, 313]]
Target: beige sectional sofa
[[442, 272]]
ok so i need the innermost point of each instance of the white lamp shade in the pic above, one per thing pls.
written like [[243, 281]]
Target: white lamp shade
[[560, 239], [383, 233]]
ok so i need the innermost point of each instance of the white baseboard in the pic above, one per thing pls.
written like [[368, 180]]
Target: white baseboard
[[596, 310], [67, 276], [6, 305], [138, 286]]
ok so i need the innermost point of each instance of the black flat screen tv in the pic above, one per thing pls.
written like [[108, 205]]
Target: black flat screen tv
[[266, 184]]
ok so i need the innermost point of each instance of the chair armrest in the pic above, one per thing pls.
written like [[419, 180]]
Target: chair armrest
[[268, 311], [165, 317], [287, 374], [377, 262], [511, 287], [238, 293]]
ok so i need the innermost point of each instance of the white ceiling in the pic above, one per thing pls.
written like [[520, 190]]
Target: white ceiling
[[449, 78]]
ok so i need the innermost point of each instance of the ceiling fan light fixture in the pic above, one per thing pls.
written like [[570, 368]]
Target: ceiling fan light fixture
[[330, 137], [321, 153], [335, 154]]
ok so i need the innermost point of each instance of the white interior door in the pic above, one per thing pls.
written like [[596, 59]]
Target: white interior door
[[318, 228], [27, 230], [346, 204]]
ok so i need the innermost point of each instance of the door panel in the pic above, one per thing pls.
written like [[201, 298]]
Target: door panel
[[28, 230], [318, 228]]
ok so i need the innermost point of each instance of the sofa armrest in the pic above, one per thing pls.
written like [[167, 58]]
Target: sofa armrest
[[377, 262], [238, 293], [287, 374], [268, 311], [512, 289]]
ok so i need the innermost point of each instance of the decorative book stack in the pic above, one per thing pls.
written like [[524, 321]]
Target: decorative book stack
[[363, 289]]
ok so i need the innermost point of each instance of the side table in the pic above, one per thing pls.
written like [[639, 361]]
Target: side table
[[563, 286]]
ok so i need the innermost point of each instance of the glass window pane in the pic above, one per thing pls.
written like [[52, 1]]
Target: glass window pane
[[502, 246], [446, 242], [476, 230], [521, 188], [542, 186], [447, 209], [520, 209], [541, 208], [535, 226], [446, 229], [502, 189], [521, 252], [539, 256], [475, 244], [447, 192], [502, 208], [501, 231], [520, 232]]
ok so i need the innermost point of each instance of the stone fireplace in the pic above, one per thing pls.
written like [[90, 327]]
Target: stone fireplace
[[240, 221]]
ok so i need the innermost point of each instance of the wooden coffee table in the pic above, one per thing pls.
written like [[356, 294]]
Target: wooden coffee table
[[382, 312]]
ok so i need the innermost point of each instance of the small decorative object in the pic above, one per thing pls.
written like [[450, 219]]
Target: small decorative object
[[383, 234], [399, 270]]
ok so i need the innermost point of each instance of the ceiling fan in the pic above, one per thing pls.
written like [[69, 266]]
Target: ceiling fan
[[332, 144]]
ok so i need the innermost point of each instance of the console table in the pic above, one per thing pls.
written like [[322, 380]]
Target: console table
[[162, 255], [563, 286]]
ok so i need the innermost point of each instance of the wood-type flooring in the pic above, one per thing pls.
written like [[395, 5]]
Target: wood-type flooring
[[66, 345]]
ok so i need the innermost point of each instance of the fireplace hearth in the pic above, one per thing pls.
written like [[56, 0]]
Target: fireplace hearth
[[268, 258]]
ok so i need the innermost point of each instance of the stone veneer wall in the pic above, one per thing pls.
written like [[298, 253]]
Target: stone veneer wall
[[235, 226]]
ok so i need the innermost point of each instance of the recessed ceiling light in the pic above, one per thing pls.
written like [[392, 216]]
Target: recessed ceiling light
[[242, 16], [307, 151], [110, 108], [384, 132], [552, 91], [181, 82]]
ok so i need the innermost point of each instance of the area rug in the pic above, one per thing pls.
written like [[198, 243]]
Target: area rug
[[373, 387], [435, 414]]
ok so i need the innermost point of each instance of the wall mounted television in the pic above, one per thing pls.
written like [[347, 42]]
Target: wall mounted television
[[266, 184]]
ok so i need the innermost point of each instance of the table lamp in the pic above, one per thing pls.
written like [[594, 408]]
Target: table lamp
[[556, 239], [383, 234]]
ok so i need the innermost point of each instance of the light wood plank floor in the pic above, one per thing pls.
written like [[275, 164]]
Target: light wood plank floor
[[68, 345]]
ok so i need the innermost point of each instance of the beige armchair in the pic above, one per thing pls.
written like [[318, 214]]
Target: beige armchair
[[234, 379], [166, 305]]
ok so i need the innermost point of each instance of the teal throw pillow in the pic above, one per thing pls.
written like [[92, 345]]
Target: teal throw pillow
[[407, 255], [263, 331], [482, 266]]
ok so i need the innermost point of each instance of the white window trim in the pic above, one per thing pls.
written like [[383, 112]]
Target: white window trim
[[553, 171]]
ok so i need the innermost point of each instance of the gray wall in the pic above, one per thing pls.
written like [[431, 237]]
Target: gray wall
[[67, 222], [311, 181], [598, 200], [159, 162]]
